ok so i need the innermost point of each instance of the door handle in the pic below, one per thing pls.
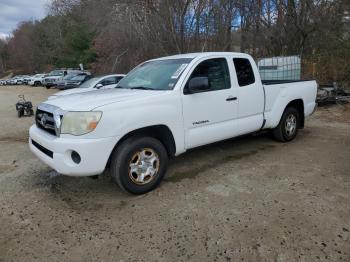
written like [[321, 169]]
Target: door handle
[[231, 98]]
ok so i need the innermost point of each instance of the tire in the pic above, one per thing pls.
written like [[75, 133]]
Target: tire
[[288, 126], [47, 87], [130, 153], [36, 83], [20, 113]]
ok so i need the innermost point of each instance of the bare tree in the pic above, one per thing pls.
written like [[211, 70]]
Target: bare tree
[[122, 33]]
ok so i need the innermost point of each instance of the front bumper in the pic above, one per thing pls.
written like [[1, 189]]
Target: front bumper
[[50, 84], [56, 152], [66, 87]]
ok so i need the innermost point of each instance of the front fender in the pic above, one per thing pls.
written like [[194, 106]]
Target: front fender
[[119, 119]]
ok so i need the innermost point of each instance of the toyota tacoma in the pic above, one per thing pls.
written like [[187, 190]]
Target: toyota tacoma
[[161, 109]]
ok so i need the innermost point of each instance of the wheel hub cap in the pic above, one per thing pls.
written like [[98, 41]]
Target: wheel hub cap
[[143, 166], [291, 125]]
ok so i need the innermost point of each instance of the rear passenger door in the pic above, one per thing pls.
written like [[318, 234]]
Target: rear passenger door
[[251, 96], [209, 115]]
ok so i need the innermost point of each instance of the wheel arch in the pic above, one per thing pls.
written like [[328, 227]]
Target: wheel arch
[[298, 104], [160, 132]]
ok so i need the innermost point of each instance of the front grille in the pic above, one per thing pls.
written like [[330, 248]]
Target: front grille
[[42, 149], [45, 121]]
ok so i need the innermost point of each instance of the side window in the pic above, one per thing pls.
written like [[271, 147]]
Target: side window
[[244, 71], [109, 81], [217, 72], [118, 78]]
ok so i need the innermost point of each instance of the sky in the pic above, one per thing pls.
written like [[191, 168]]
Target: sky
[[13, 12]]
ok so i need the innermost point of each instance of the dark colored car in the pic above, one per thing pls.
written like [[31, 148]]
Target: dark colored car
[[74, 82], [62, 83]]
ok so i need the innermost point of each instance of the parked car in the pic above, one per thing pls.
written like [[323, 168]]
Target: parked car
[[16, 80], [2, 82], [54, 76], [161, 109], [21, 80], [37, 80], [26, 79], [57, 75], [74, 82], [12, 80], [102, 82], [63, 83]]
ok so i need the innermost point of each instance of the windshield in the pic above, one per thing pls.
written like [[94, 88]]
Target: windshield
[[56, 73], [90, 83], [155, 75], [69, 76], [78, 78]]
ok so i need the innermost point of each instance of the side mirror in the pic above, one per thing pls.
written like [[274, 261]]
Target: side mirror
[[198, 84], [98, 86]]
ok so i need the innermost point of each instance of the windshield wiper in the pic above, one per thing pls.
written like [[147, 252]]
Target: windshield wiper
[[142, 88]]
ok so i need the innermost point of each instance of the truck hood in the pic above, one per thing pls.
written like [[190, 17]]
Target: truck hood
[[53, 77], [87, 101]]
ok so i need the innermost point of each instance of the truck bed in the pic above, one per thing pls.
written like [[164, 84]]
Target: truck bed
[[278, 93]]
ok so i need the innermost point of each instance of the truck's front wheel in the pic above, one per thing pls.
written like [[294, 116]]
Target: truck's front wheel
[[138, 164], [287, 128]]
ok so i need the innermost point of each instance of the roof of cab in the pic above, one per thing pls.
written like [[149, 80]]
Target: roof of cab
[[201, 55]]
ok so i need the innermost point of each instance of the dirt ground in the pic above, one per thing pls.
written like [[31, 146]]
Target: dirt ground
[[247, 199]]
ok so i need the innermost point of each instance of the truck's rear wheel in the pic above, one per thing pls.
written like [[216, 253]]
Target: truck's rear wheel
[[287, 128], [139, 164]]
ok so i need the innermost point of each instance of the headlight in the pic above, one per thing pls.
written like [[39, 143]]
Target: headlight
[[80, 123]]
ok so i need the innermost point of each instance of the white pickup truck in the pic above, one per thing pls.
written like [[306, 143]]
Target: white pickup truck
[[162, 108]]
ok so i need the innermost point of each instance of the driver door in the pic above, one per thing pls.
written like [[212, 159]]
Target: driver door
[[209, 116]]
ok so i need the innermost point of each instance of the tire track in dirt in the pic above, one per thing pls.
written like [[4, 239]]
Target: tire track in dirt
[[14, 139]]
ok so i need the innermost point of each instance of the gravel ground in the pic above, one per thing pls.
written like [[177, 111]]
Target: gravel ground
[[247, 199]]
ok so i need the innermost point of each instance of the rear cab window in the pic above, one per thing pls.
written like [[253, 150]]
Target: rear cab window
[[244, 71]]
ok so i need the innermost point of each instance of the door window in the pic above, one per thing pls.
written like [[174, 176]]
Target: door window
[[109, 81], [244, 71], [118, 78], [217, 72]]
